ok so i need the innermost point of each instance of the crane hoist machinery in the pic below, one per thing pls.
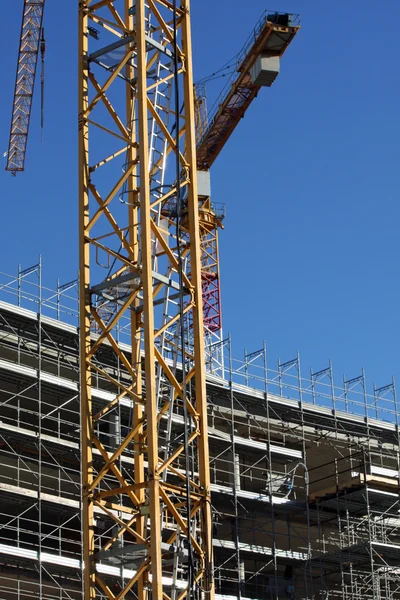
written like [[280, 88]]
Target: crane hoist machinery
[[149, 267]]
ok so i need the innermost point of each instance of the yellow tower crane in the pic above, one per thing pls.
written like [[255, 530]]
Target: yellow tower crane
[[132, 87], [148, 261]]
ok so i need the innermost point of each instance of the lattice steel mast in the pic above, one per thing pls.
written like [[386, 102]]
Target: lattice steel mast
[[32, 18], [146, 498]]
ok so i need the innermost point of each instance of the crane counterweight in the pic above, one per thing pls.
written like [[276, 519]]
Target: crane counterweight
[[270, 38]]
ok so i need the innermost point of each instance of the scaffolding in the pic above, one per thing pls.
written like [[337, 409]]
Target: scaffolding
[[359, 556], [305, 474]]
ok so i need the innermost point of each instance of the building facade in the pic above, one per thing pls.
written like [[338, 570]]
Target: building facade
[[305, 476]]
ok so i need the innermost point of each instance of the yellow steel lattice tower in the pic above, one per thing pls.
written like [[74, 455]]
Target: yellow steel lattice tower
[[146, 487]]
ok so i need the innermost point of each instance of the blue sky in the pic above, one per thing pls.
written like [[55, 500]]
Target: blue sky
[[310, 178]]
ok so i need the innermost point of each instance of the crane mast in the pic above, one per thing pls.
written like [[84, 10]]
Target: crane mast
[[31, 28], [145, 464]]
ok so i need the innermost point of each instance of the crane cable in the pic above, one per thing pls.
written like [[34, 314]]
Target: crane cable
[[214, 76], [230, 64], [182, 304], [42, 55]]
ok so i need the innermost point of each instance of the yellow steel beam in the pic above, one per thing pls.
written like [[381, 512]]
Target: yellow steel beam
[[195, 250], [84, 315]]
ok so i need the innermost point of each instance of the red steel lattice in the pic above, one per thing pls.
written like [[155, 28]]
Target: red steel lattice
[[31, 27]]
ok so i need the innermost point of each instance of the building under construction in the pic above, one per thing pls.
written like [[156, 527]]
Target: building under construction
[[139, 458], [304, 474]]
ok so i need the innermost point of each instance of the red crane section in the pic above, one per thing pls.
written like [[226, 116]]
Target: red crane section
[[270, 38], [210, 219], [31, 28]]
